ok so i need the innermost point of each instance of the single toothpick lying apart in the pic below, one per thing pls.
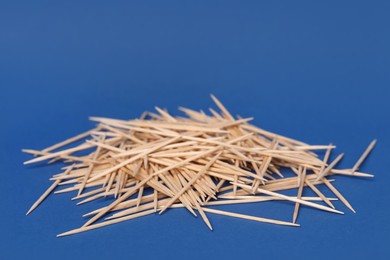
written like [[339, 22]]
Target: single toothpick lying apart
[[158, 162]]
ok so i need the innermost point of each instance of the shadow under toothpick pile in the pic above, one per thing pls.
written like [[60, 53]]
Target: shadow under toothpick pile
[[158, 161]]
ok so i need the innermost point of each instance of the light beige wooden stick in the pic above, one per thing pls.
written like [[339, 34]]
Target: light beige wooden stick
[[326, 158], [106, 223], [222, 107], [307, 203], [46, 193], [70, 140], [236, 215], [62, 156], [338, 194], [364, 156], [319, 193], [299, 196], [63, 152], [330, 167], [90, 168]]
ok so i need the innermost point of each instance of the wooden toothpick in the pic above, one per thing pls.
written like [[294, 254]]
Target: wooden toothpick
[[364, 156]]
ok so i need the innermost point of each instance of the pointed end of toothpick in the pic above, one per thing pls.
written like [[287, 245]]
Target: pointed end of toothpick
[[30, 210], [214, 98], [64, 234], [68, 233], [93, 118]]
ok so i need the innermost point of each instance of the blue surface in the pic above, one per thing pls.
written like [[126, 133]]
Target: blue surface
[[318, 72]]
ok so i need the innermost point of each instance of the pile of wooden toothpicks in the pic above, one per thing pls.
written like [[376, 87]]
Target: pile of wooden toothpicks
[[157, 162]]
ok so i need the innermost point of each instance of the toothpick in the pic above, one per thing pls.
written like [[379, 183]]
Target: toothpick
[[300, 190], [364, 155], [46, 193], [307, 203], [236, 215], [330, 167], [106, 223]]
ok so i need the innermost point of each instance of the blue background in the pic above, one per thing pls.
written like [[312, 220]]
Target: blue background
[[318, 72]]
